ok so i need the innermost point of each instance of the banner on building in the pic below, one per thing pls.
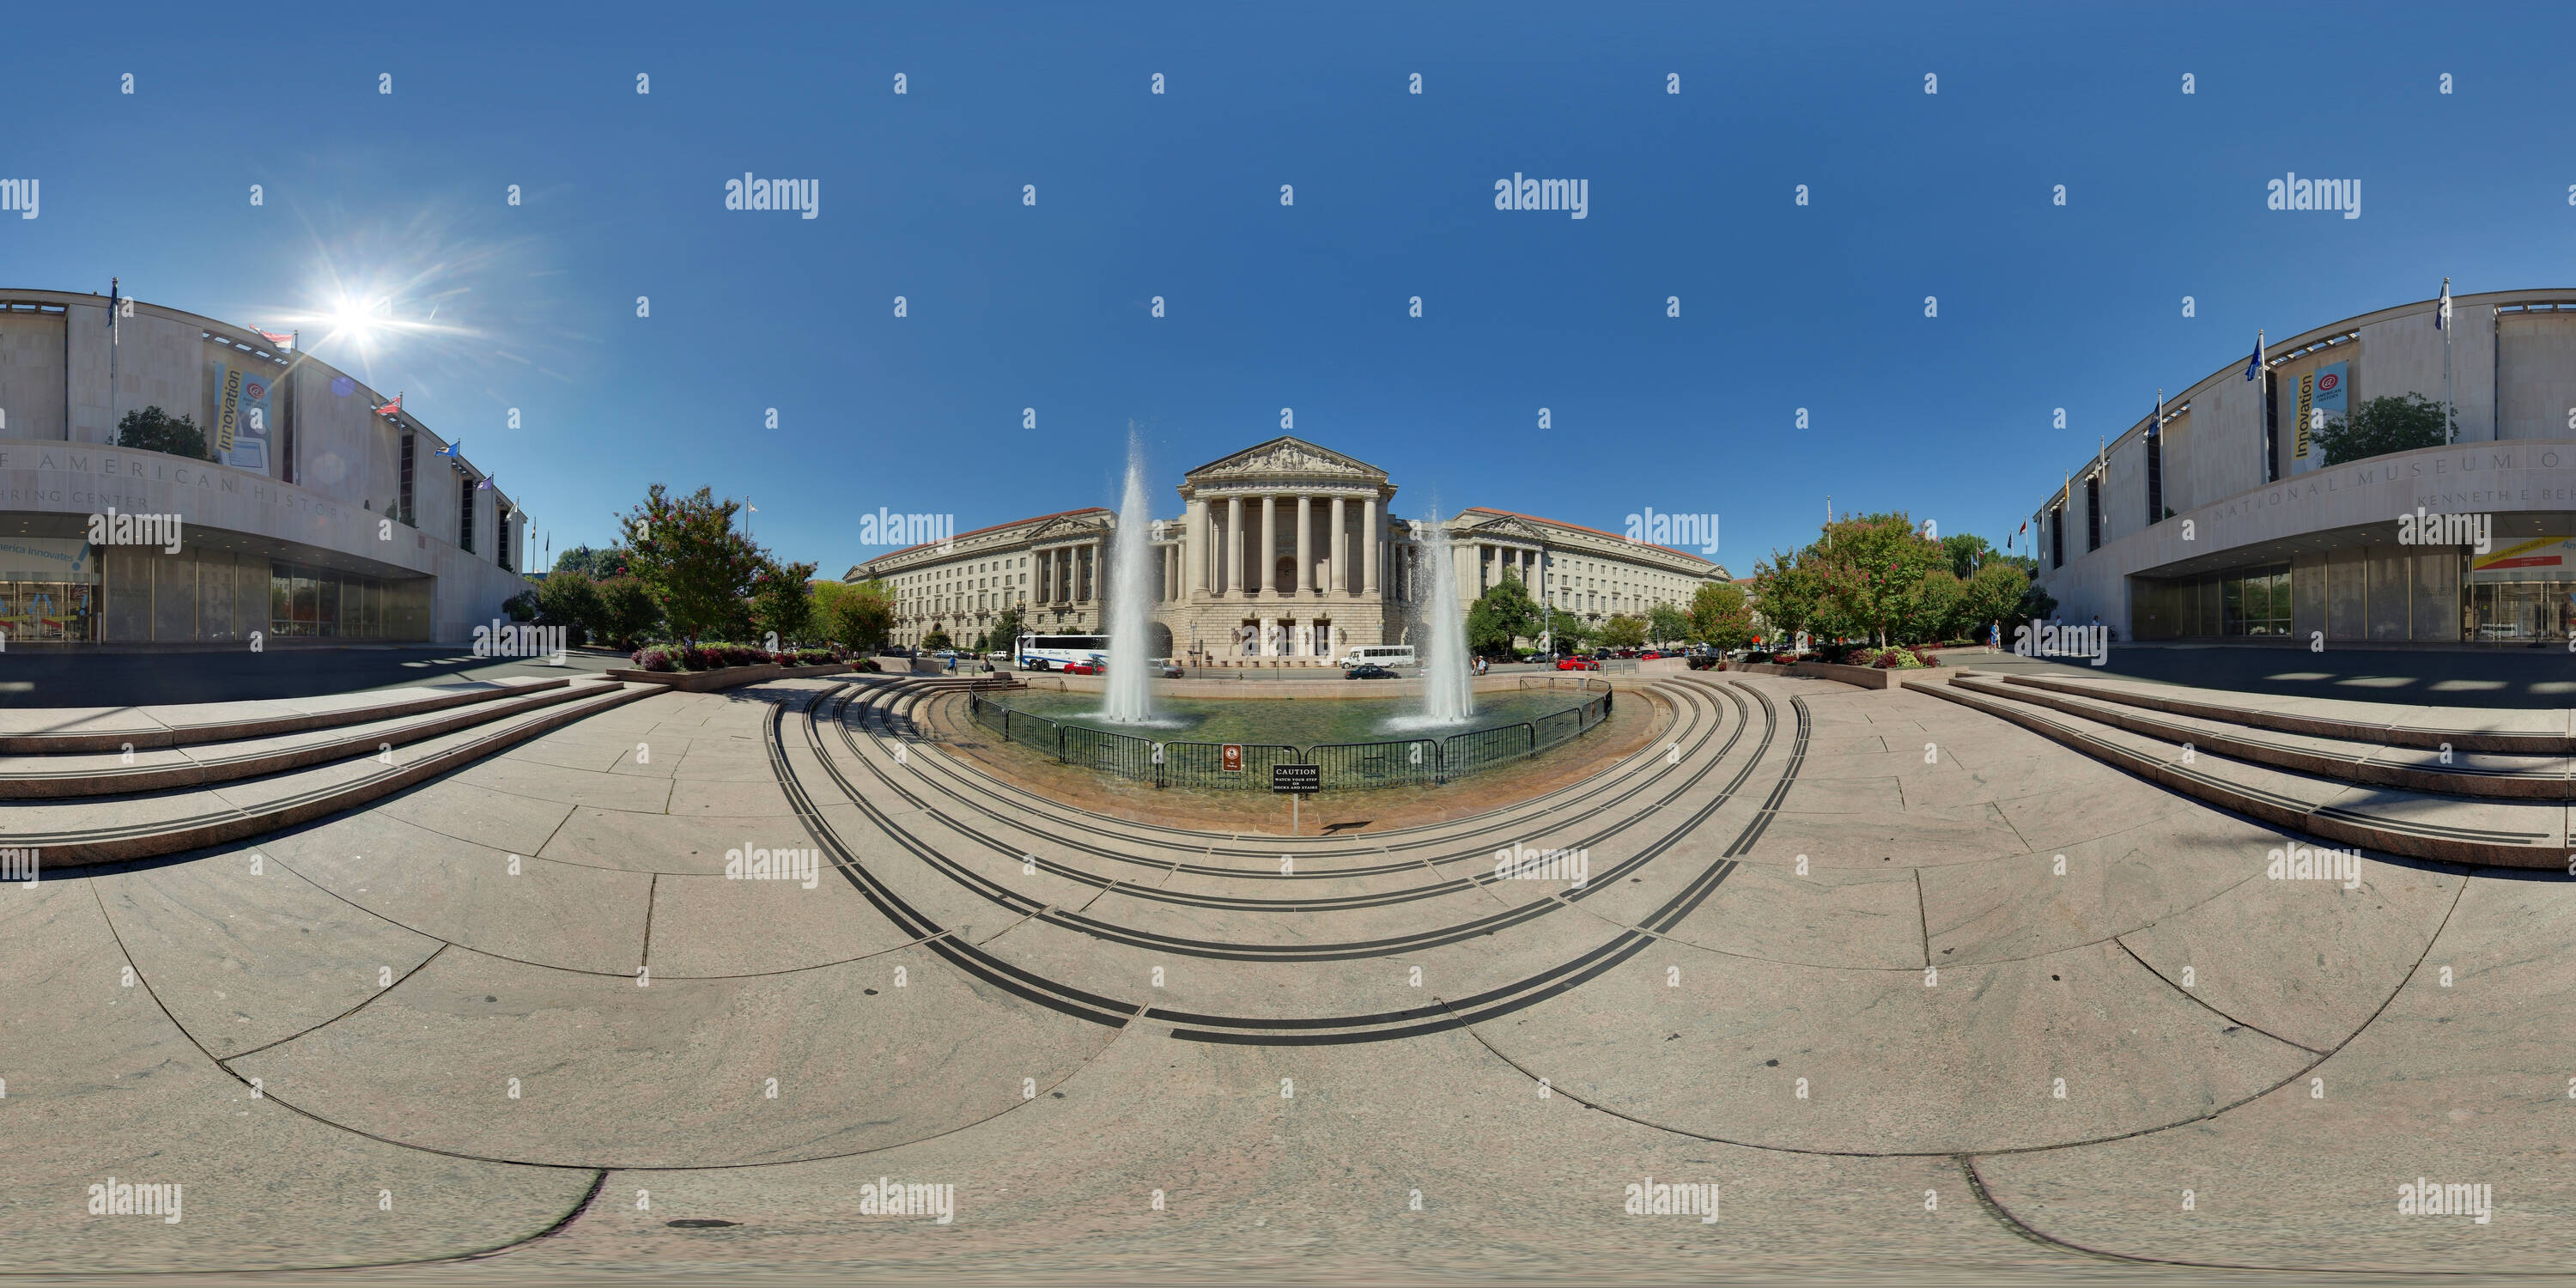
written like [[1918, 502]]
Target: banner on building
[[2321, 402], [2531, 559], [250, 439], [241, 418]]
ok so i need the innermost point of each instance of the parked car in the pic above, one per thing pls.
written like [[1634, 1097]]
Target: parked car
[[1648, 656], [1579, 664], [1167, 668], [1369, 671], [1080, 668]]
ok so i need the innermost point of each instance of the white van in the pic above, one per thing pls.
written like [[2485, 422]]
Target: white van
[[1395, 656]]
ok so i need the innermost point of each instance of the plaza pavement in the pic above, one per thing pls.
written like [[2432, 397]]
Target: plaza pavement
[[1922, 992]]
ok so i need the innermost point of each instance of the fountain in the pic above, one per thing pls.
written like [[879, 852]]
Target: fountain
[[1131, 599], [1448, 688]]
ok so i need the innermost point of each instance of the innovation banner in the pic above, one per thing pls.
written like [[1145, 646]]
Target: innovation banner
[[2321, 402]]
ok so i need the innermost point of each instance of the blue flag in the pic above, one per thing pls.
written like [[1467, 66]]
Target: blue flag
[[2254, 365], [451, 449]]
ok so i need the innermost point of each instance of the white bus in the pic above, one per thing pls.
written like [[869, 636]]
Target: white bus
[[1055, 652], [1397, 656]]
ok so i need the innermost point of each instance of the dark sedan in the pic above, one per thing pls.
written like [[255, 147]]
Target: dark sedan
[[1370, 671]]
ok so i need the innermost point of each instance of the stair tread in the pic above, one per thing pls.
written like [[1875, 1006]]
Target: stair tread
[[2489, 823], [78, 820], [2346, 717], [2482, 774]]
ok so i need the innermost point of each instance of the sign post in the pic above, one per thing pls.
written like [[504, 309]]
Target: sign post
[[1295, 782]]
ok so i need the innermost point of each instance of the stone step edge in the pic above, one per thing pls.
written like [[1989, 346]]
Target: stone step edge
[[2324, 822], [2360, 772], [207, 773], [39, 744], [2321, 726], [244, 825]]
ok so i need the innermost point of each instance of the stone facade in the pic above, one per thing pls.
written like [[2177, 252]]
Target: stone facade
[[312, 512], [1285, 552]]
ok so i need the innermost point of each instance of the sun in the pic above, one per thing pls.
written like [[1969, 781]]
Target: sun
[[355, 320]]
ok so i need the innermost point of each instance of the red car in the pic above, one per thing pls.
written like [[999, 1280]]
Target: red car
[[1578, 664], [1080, 668], [1648, 656]]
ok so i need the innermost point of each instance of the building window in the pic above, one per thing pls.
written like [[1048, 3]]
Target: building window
[[501, 544], [2057, 536], [402, 502], [2155, 477], [465, 514], [2093, 513]]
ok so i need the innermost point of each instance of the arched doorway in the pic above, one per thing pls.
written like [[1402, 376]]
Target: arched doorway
[[1158, 640], [1283, 577]]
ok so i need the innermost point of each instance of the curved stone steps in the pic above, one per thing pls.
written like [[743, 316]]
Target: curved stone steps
[[51, 731], [81, 831], [2453, 829], [124, 772]]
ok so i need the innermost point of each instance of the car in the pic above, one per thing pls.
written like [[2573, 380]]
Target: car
[[1578, 664], [1648, 656], [1080, 668], [1167, 668], [1369, 671]]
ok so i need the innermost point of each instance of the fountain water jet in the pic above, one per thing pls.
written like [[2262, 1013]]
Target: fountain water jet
[[1448, 687], [1131, 599]]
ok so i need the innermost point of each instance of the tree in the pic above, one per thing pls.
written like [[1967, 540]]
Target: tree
[[782, 603], [1789, 594], [594, 561], [1665, 624], [572, 600], [1502, 614], [2384, 425], [1623, 630], [699, 570], [855, 615], [627, 612], [152, 430], [1968, 552], [1006, 632], [1567, 631], [1992, 596], [1721, 615], [936, 640]]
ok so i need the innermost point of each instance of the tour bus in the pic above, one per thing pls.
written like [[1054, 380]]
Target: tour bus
[[1056, 652], [1396, 656]]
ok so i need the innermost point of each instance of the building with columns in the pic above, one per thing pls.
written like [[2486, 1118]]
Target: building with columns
[[1284, 552]]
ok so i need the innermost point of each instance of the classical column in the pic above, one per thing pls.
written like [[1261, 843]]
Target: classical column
[[1197, 548], [1341, 552], [1305, 543], [1265, 560], [1232, 564], [1368, 539]]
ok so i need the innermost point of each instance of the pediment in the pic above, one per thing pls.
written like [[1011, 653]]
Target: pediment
[[1285, 457]]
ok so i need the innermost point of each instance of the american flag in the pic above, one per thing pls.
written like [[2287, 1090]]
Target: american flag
[[393, 408], [285, 341]]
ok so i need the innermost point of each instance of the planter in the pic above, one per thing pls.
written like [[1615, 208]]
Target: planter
[[1872, 677], [727, 677]]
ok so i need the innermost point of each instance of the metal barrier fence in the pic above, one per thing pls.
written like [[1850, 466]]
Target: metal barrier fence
[[1395, 763]]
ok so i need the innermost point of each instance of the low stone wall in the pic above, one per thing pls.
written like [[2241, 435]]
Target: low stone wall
[[728, 677], [1865, 677], [1314, 688]]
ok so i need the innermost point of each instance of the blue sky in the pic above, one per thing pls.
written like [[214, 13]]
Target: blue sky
[[1177, 195]]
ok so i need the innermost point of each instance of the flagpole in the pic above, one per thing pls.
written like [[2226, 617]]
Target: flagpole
[[115, 341], [2450, 414]]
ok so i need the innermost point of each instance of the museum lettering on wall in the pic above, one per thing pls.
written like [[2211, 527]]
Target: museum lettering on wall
[[151, 468]]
